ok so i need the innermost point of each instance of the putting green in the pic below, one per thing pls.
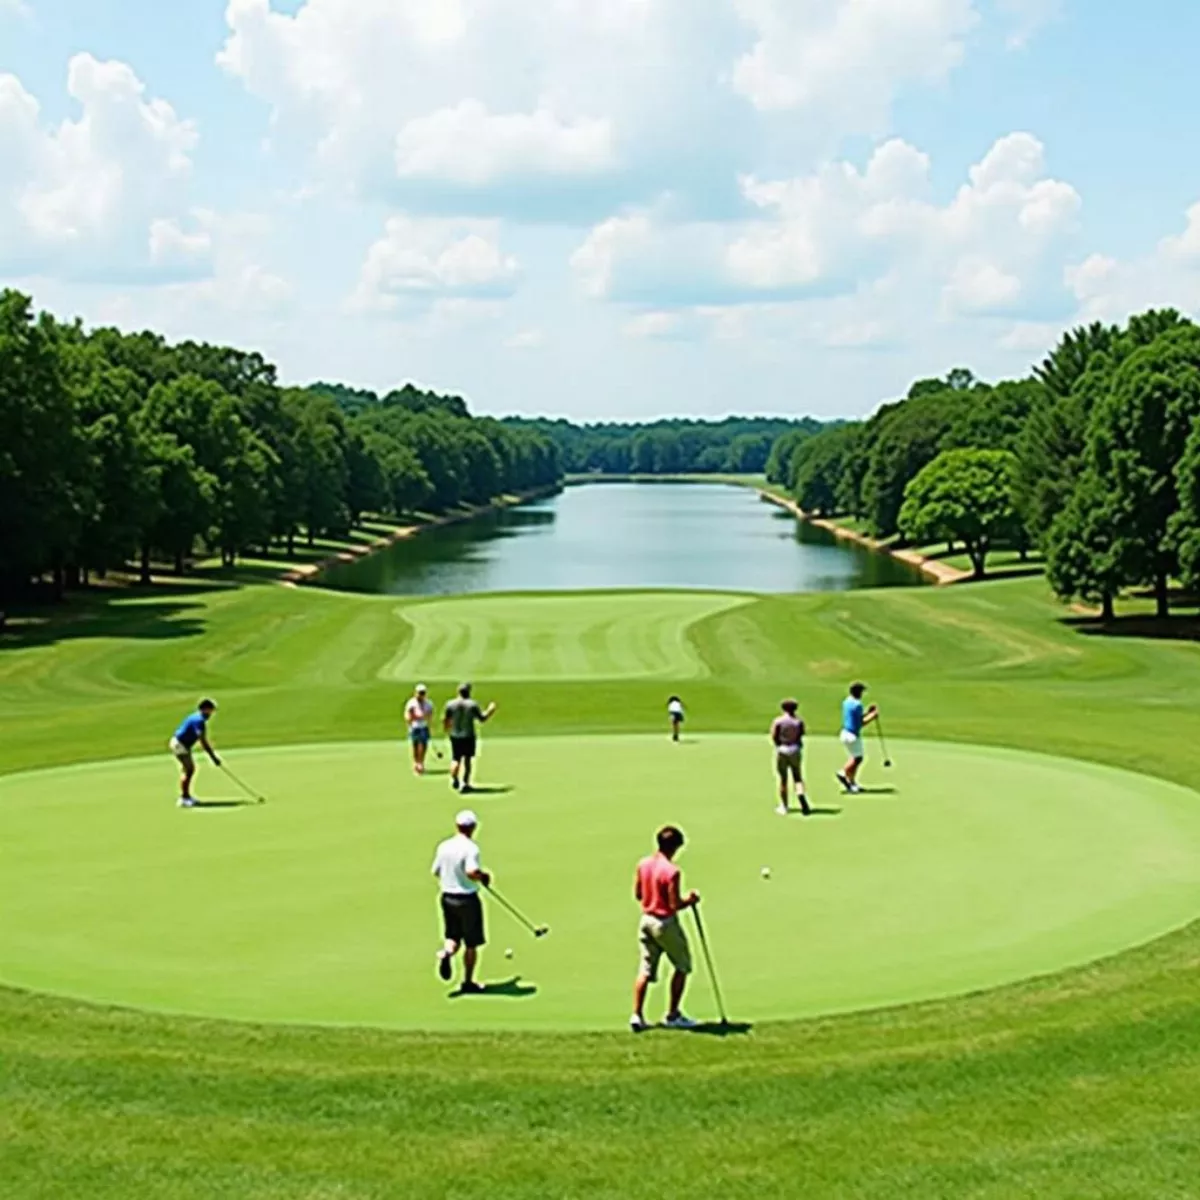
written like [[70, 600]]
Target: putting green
[[621, 635], [983, 866]]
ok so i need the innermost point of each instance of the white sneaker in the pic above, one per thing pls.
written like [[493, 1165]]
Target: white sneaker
[[679, 1021], [855, 789], [782, 810], [638, 1024], [186, 802]]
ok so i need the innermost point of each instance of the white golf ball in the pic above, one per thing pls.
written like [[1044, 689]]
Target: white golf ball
[[508, 952], [766, 872]]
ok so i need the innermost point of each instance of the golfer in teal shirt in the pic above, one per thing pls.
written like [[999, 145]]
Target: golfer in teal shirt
[[855, 717]]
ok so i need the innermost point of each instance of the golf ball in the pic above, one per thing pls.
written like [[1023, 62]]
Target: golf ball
[[508, 952], [766, 872]]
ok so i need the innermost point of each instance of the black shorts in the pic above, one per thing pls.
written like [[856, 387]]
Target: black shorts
[[463, 748], [462, 917]]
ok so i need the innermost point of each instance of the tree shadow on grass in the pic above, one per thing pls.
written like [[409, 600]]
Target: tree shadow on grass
[[513, 988], [1139, 625], [123, 615]]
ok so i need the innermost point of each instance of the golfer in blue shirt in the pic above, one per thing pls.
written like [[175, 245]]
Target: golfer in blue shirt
[[855, 717], [194, 729]]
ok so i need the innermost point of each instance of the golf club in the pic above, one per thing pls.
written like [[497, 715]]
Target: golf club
[[887, 761], [255, 796], [538, 931], [712, 971]]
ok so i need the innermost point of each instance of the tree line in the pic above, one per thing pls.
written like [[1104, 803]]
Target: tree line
[[119, 448], [735, 445], [1093, 459]]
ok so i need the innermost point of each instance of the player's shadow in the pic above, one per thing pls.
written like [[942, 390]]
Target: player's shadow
[[722, 1029], [878, 791], [513, 988], [502, 789], [815, 811], [219, 804], [436, 773]]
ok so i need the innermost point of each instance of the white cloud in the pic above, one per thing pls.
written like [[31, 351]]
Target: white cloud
[[990, 249], [468, 145], [1027, 17], [17, 8], [1110, 290], [526, 339], [507, 106], [419, 262], [102, 194], [848, 60], [655, 325]]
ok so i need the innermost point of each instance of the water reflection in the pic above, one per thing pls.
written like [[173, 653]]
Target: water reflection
[[704, 536]]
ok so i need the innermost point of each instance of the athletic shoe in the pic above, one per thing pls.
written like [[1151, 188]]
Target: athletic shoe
[[638, 1024], [472, 989], [783, 810], [455, 784], [804, 805], [186, 802], [845, 782], [855, 790], [679, 1021], [444, 966], [466, 789]]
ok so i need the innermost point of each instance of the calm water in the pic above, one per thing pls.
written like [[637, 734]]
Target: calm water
[[625, 535]]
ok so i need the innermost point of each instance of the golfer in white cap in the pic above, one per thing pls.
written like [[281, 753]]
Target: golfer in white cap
[[459, 874], [418, 712]]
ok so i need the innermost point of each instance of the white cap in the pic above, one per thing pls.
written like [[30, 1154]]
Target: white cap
[[466, 820], [421, 688]]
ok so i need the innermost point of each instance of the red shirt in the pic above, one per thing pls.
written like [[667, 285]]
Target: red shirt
[[657, 886]]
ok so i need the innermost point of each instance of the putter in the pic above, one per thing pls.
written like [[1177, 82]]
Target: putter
[[712, 971], [887, 761], [255, 796], [538, 931]]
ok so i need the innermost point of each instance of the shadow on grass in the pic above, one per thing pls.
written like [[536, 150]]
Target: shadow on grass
[[513, 988], [721, 1029], [1139, 625], [814, 811], [123, 615], [878, 791], [502, 789], [222, 804]]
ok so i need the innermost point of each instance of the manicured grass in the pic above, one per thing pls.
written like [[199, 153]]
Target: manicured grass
[[319, 908], [576, 636], [1080, 1085]]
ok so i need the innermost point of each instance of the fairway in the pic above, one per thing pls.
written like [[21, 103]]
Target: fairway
[[632, 635], [966, 868]]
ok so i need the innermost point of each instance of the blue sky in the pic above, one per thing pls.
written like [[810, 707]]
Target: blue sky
[[605, 208]]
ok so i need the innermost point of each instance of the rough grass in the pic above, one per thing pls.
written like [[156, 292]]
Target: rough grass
[[1083, 1085]]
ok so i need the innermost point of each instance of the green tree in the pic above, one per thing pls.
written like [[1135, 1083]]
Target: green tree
[[965, 496], [1136, 443], [1086, 546]]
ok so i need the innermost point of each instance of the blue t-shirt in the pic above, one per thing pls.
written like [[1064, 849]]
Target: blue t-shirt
[[852, 715], [192, 730]]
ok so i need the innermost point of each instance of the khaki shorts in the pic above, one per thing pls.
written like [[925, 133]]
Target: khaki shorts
[[853, 743], [788, 764], [182, 753], [659, 937]]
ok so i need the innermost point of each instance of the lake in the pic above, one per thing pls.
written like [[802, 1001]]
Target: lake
[[625, 535]]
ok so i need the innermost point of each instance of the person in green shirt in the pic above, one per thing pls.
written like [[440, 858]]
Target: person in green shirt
[[459, 722]]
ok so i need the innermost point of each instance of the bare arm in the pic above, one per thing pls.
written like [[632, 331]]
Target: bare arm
[[208, 749], [488, 712], [481, 876]]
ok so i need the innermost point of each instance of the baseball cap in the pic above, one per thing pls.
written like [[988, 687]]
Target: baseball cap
[[422, 688], [206, 703], [466, 820]]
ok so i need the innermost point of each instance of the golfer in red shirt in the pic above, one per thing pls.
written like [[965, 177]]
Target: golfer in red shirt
[[660, 931]]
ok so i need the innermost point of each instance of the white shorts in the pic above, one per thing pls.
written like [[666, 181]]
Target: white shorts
[[181, 752], [853, 743]]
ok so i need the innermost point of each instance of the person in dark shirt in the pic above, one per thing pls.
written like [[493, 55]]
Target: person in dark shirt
[[787, 736], [459, 721]]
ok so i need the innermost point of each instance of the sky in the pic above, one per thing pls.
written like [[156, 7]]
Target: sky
[[605, 208]]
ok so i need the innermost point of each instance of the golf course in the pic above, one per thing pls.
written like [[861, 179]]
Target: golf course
[[976, 978]]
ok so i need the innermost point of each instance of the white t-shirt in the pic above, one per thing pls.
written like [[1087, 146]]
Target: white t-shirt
[[418, 712], [454, 858], [675, 708]]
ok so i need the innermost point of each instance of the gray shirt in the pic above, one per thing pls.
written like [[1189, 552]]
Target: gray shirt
[[462, 715]]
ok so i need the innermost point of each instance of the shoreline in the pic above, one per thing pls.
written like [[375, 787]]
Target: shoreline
[[306, 574], [940, 573]]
